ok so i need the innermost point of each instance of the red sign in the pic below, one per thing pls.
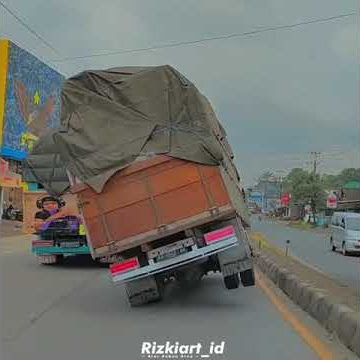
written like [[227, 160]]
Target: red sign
[[331, 202], [285, 200]]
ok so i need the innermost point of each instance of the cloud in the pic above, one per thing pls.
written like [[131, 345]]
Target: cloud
[[345, 42], [278, 93]]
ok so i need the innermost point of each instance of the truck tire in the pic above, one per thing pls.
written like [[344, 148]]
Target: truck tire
[[232, 281], [248, 277]]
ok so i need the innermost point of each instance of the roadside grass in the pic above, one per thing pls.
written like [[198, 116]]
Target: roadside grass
[[261, 242], [301, 225], [307, 273]]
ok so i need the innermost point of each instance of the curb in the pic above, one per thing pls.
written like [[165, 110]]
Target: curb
[[337, 318]]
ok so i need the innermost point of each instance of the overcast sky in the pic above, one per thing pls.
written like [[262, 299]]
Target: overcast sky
[[280, 94]]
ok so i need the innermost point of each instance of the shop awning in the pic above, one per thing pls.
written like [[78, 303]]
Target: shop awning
[[7, 177]]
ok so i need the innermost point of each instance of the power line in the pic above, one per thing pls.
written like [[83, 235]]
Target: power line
[[39, 37], [219, 37]]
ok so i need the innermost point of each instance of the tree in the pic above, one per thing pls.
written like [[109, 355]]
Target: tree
[[293, 179], [305, 188], [332, 182], [347, 175]]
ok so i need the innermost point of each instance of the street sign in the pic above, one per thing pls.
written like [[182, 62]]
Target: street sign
[[285, 199], [256, 198], [331, 202]]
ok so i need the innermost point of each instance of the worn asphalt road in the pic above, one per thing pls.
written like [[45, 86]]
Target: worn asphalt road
[[313, 247], [73, 311]]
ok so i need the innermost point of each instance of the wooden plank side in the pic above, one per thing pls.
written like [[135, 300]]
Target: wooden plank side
[[117, 197], [216, 187], [131, 220], [225, 212], [162, 191], [174, 178], [97, 232], [181, 203]]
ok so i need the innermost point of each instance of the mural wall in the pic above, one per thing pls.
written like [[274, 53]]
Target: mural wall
[[30, 99]]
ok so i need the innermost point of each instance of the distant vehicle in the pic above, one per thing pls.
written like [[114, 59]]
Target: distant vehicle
[[62, 237], [345, 232], [59, 234], [10, 213]]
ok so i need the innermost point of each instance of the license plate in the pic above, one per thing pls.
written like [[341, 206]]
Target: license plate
[[170, 254], [167, 249], [70, 244]]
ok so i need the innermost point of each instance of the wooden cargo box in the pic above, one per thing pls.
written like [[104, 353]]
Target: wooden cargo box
[[151, 199]]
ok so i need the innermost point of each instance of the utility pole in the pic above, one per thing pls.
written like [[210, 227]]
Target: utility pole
[[315, 161]]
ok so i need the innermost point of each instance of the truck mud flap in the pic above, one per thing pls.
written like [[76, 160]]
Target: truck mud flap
[[142, 291], [234, 267]]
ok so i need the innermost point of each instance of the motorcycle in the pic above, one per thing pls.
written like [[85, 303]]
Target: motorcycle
[[10, 213]]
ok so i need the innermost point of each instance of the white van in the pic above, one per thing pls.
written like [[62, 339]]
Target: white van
[[345, 232]]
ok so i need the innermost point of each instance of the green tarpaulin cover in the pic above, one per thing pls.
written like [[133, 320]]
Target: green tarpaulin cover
[[110, 117]]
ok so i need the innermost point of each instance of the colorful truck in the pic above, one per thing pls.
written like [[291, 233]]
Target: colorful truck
[[64, 236], [58, 226]]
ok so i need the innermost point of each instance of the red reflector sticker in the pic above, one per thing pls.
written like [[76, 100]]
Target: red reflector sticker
[[124, 266], [42, 243], [219, 235]]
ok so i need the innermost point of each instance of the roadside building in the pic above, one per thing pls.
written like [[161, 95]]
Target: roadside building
[[29, 105], [349, 199], [270, 191]]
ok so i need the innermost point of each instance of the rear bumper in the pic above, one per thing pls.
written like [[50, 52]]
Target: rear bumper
[[57, 250], [180, 260], [353, 246]]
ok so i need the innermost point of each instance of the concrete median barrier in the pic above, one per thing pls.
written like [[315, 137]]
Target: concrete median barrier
[[336, 318]]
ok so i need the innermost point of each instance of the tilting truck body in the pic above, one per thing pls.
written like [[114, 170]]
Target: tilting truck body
[[155, 179], [165, 218]]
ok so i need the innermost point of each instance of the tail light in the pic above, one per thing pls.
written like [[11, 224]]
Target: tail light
[[37, 243], [124, 266], [219, 235]]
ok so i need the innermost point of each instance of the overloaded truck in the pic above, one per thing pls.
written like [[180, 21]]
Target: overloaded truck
[[155, 179]]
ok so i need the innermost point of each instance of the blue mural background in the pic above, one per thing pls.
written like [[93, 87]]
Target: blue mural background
[[40, 83]]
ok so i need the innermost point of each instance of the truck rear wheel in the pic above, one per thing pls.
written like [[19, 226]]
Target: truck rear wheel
[[248, 277], [232, 281]]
